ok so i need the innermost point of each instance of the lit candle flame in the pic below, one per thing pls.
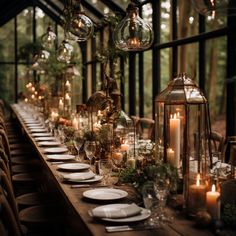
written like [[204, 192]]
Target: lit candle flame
[[198, 180], [213, 188]]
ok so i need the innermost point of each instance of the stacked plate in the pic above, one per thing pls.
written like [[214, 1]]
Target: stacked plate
[[120, 213], [49, 143], [61, 157], [73, 166], [81, 177], [55, 150]]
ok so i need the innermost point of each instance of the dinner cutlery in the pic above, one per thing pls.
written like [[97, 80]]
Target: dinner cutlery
[[88, 186], [120, 228]]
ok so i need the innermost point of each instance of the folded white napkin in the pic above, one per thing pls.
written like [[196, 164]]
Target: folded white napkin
[[116, 213]]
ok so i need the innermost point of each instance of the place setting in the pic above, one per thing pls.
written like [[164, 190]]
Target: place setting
[[55, 150], [49, 143], [41, 135], [120, 213], [60, 158]]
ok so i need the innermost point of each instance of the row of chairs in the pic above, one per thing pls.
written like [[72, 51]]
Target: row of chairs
[[26, 209]]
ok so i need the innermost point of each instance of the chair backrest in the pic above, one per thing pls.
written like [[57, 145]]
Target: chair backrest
[[9, 221], [146, 128], [217, 144], [5, 143]]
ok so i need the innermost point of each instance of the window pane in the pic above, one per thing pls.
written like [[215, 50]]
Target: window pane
[[187, 19], [7, 83], [188, 60], [165, 21], [147, 83], [215, 82], [7, 42], [165, 67]]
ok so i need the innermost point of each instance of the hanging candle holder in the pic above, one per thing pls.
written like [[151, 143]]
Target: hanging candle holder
[[182, 136]]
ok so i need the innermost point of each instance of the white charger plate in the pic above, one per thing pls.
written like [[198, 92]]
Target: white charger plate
[[96, 178], [55, 150], [105, 194], [41, 135], [61, 157], [144, 214], [73, 166], [75, 177], [49, 143], [39, 139]]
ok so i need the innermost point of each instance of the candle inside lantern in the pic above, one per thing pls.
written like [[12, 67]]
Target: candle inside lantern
[[171, 156], [213, 203], [175, 138], [61, 104], [54, 116], [197, 196], [131, 162], [68, 86], [68, 99], [75, 123]]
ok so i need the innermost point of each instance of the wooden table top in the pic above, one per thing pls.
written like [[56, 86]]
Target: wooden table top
[[78, 206]]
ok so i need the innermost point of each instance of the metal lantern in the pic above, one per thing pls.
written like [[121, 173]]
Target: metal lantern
[[182, 136]]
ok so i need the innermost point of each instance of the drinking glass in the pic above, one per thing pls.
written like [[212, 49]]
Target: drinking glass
[[78, 143], [105, 170], [151, 202], [161, 186], [90, 149]]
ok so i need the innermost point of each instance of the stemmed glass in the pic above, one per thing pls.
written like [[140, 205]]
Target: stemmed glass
[[90, 149], [78, 143], [105, 170]]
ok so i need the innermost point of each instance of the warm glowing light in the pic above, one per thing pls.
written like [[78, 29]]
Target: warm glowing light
[[213, 188], [198, 180]]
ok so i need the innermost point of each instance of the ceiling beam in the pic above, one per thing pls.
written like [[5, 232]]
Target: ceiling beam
[[92, 9], [13, 11], [113, 6]]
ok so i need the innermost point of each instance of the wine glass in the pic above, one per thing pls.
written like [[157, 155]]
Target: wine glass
[[90, 149], [78, 143], [161, 187], [105, 170], [151, 202]]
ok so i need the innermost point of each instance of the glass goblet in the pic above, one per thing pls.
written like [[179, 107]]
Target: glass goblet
[[90, 149], [105, 170], [78, 143], [151, 202]]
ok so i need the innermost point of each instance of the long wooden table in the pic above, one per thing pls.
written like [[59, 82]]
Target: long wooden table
[[77, 207]]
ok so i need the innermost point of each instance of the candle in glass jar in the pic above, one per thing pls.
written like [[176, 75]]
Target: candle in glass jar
[[131, 162], [213, 203], [75, 123], [171, 156], [68, 86], [175, 137], [61, 105], [54, 116], [197, 196], [68, 99]]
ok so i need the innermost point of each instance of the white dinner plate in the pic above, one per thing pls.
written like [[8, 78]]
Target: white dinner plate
[[30, 126], [39, 139], [73, 166], [75, 177], [105, 194], [36, 130], [41, 135], [96, 178], [55, 150], [144, 214], [61, 157], [49, 143]]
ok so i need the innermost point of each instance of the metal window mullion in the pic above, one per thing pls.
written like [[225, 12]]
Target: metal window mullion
[[16, 67], [132, 84]]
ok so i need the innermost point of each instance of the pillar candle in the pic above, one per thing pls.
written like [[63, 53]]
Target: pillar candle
[[175, 138], [68, 86], [213, 203], [68, 99], [197, 196], [171, 156], [61, 105], [131, 162], [75, 123]]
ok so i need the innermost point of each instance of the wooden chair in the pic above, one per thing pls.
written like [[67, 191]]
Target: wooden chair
[[217, 142], [146, 128]]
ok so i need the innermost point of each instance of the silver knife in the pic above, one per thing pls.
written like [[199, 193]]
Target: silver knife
[[121, 228]]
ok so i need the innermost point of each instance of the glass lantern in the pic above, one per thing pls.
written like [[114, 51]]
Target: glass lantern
[[182, 136]]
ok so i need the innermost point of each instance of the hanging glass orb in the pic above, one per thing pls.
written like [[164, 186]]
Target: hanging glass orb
[[79, 27], [64, 52], [133, 33], [48, 39], [43, 57]]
